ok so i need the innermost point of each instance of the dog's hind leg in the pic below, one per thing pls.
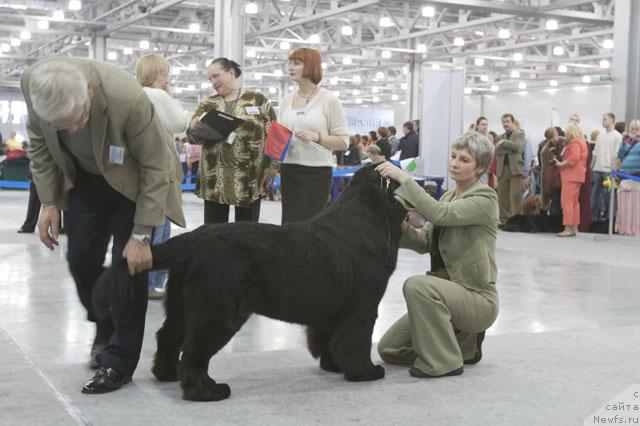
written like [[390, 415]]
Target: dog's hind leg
[[318, 339], [212, 321], [171, 334], [351, 348]]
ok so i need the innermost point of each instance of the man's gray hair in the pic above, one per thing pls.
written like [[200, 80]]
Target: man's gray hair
[[478, 146], [56, 87]]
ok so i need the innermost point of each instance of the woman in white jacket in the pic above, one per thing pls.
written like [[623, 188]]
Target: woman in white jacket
[[152, 72]]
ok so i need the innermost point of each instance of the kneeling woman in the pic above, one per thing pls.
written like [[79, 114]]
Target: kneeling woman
[[451, 306]]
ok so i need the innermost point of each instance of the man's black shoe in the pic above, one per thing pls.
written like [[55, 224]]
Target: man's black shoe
[[416, 372], [26, 231], [106, 380], [476, 359]]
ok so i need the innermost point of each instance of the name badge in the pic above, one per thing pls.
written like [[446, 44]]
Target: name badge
[[300, 112], [231, 138], [252, 110], [116, 155]]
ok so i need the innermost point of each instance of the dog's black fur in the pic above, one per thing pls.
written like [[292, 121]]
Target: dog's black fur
[[328, 273], [533, 224]]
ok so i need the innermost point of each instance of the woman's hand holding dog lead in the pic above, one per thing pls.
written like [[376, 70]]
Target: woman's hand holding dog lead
[[387, 169]]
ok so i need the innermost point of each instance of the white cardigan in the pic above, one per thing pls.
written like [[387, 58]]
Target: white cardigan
[[170, 112], [323, 114]]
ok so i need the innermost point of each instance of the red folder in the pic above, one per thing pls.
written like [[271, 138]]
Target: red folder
[[277, 141]]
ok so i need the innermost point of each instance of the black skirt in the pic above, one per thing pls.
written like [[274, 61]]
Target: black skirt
[[305, 191]]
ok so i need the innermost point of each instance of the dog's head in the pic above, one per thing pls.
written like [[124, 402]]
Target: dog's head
[[368, 183]]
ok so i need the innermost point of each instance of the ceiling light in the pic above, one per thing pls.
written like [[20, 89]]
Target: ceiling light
[[607, 44], [278, 73], [385, 22], [204, 85], [15, 42], [558, 50], [251, 8], [428, 11], [75, 5], [553, 83], [523, 93], [291, 87], [551, 25], [386, 54], [208, 62], [285, 45], [479, 33], [562, 68], [346, 30], [484, 78], [403, 86], [144, 44], [333, 81], [467, 90], [504, 33], [175, 71], [479, 62], [586, 79], [604, 64], [376, 99], [194, 27], [273, 90], [394, 97], [357, 79], [192, 67], [435, 66], [191, 87], [458, 41], [522, 85], [127, 51], [314, 38], [358, 101], [375, 89], [494, 88], [347, 60], [380, 75], [257, 76], [177, 90], [43, 24], [323, 65], [112, 56], [518, 57], [251, 53], [515, 74], [355, 92], [421, 48], [25, 34], [4, 47], [58, 15], [405, 70], [336, 93]]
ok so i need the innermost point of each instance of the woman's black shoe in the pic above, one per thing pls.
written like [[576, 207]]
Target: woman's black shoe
[[416, 372], [476, 359], [106, 380], [26, 231]]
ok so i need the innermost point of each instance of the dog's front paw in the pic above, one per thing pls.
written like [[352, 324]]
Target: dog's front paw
[[164, 370], [327, 364], [211, 391], [376, 372]]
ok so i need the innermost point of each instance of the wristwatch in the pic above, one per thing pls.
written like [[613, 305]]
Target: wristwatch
[[141, 238]]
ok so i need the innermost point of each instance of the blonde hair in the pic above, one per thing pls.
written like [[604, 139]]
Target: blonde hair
[[573, 131], [148, 68], [634, 123]]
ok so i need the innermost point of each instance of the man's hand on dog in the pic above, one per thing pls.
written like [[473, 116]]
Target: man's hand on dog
[[138, 255]]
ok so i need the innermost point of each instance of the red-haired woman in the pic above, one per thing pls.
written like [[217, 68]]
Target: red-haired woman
[[572, 174], [316, 118]]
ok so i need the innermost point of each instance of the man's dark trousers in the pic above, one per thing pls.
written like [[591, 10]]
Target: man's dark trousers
[[96, 213]]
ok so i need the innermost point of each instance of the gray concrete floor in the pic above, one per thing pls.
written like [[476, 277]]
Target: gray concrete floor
[[566, 341]]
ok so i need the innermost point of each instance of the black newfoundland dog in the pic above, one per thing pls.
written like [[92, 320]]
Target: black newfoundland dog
[[328, 273]]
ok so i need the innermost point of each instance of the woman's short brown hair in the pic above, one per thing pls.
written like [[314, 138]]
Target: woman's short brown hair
[[550, 133], [383, 132], [312, 62], [148, 68]]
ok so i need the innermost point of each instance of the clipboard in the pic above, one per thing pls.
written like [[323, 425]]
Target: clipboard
[[217, 125]]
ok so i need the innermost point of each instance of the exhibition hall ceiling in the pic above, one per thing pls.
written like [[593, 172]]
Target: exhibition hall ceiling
[[369, 47]]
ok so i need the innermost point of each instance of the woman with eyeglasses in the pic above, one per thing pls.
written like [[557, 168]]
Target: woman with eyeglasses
[[317, 121], [233, 172]]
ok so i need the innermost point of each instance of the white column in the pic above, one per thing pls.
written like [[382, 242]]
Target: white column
[[98, 47], [625, 103], [229, 30]]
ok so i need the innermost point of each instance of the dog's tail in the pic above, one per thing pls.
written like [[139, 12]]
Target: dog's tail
[[116, 287]]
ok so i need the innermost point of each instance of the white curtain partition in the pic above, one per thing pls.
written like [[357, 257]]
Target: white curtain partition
[[441, 118]]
